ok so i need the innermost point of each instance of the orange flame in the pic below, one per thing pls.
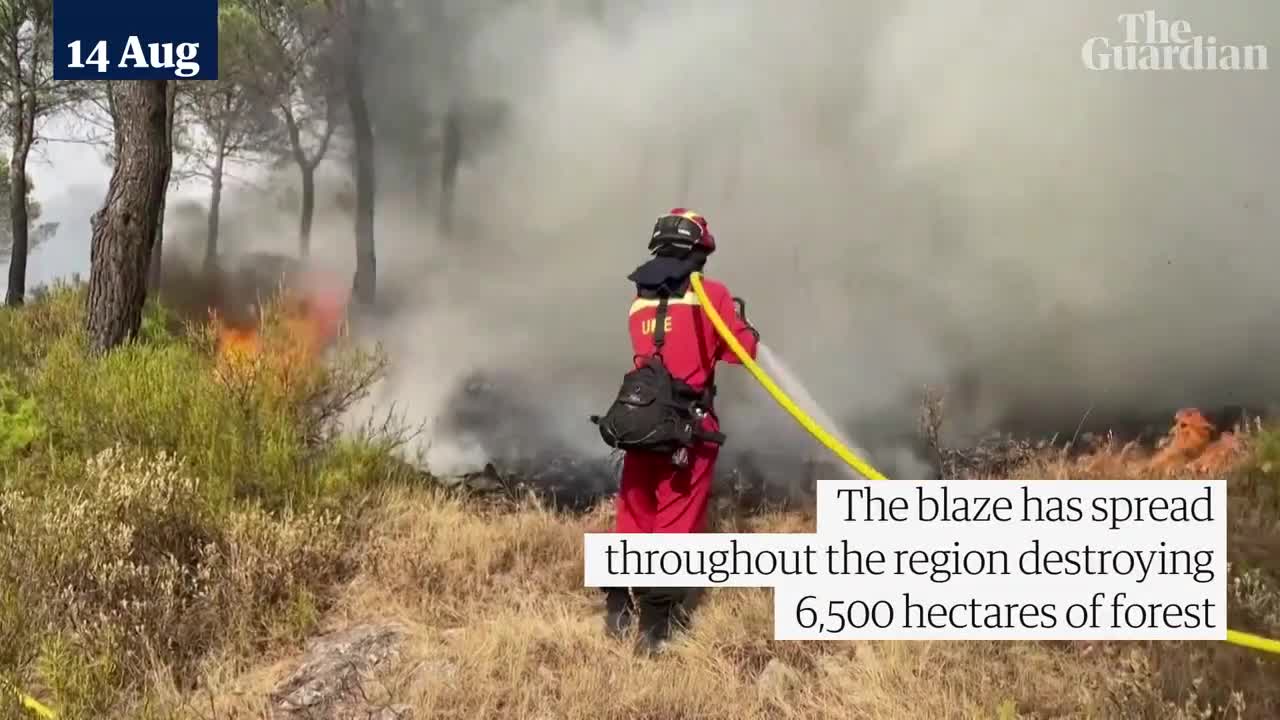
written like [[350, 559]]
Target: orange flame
[[237, 341], [311, 320], [1191, 444]]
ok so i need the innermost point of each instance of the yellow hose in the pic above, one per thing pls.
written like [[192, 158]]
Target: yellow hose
[[1234, 637], [781, 397], [34, 706], [1256, 642], [30, 703]]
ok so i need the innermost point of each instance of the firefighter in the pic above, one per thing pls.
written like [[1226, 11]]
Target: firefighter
[[668, 492]]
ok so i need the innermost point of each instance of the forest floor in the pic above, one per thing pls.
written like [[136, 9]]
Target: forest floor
[[181, 537]]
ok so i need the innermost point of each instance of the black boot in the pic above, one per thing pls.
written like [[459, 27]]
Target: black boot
[[619, 611], [661, 613]]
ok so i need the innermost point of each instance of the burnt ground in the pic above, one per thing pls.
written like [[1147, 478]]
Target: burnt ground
[[525, 458], [751, 479]]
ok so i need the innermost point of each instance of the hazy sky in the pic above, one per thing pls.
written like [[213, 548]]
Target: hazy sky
[[71, 181]]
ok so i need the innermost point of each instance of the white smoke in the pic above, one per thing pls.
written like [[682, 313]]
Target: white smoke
[[905, 192]]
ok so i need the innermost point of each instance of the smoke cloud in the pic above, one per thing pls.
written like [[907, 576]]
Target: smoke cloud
[[906, 192]]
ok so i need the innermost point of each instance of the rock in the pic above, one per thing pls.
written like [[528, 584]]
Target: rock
[[334, 671], [776, 679], [430, 673], [395, 712]]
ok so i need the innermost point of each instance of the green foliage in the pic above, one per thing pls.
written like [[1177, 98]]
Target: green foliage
[[292, 67], [20, 424], [255, 431], [27, 333], [167, 501], [239, 36], [158, 324], [135, 565], [1267, 453]]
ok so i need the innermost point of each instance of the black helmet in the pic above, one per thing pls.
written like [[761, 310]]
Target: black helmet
[[682, 230]]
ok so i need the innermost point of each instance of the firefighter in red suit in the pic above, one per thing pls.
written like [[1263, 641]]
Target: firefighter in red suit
[[659, 494]]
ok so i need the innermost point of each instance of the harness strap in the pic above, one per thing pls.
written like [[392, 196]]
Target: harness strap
[[705, 398], [660, 326]]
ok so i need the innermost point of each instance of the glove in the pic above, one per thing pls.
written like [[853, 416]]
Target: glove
[[740, 307]]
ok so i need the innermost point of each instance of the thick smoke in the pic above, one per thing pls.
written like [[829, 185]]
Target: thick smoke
[[906, 193]]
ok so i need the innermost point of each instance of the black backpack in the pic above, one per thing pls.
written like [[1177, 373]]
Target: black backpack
[[654, 411]]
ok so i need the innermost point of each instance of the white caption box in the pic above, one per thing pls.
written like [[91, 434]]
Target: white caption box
[[975, 569]]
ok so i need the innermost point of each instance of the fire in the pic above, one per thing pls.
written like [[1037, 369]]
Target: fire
[[1189, 446], [311, 319], [236, 342]]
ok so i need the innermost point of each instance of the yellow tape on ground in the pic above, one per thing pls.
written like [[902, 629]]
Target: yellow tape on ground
[[1234, 637], [28, 702]]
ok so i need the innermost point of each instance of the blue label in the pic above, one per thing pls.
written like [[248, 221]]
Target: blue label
[[135, 39]]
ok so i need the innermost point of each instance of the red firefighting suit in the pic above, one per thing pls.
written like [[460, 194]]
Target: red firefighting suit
[[656, 496]]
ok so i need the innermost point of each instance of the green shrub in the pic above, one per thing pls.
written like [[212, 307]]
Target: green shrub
[[20, 424], [135, 568], [167, 501], [260, 429], [27, 332]]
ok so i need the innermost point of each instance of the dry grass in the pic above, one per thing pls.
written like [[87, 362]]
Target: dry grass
[[501, 627], [177, 584]]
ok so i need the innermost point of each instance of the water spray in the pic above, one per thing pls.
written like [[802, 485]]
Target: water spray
[[777, 368], [827, 439]]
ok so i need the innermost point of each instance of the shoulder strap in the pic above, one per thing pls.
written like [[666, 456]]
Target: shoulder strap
[[660, 325]]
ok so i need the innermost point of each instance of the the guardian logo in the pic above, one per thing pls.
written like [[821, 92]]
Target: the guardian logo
[[1152, 43]]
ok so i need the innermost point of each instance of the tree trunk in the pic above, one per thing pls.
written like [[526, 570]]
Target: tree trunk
[[124, 229], [117, 139], [451, 155], [155, 272], [308, 209], [364, 283], [307, 171], [155, 263], [215, 209], [22, 115], [424, 173], [19, 218]]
